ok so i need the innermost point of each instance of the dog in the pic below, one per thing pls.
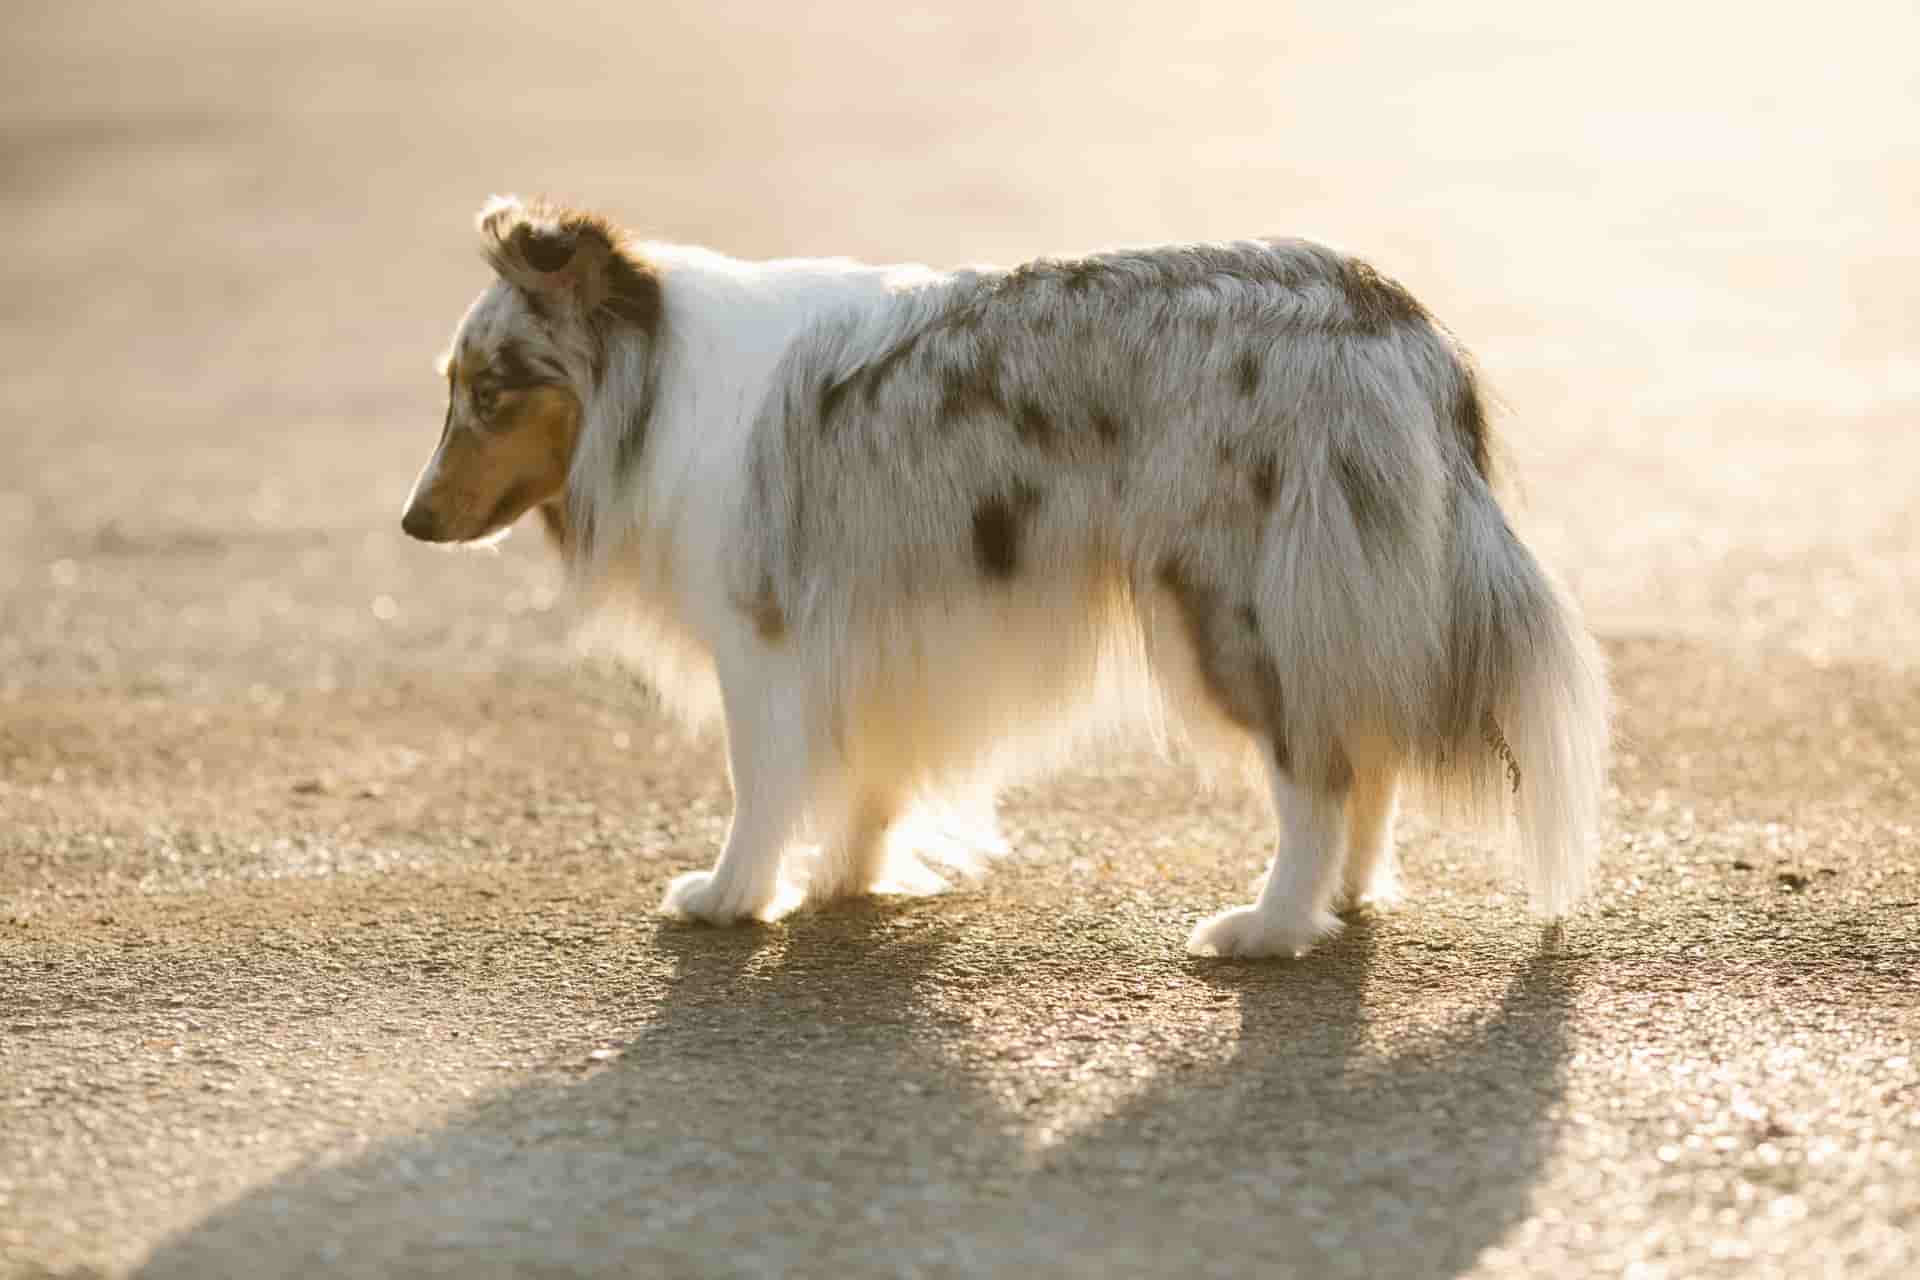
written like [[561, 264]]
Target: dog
[[909, 533]]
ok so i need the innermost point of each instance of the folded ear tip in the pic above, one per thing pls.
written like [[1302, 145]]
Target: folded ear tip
[[499, 210]]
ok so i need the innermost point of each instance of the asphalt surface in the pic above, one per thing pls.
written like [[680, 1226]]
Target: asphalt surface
[[327, 878]]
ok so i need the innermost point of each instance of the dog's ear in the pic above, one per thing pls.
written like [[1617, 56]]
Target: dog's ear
[[563, 257]]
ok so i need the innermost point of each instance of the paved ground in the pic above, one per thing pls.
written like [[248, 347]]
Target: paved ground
[[326, 887]]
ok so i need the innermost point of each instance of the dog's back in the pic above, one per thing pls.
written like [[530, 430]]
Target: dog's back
[[916, 530], [1264, 458]]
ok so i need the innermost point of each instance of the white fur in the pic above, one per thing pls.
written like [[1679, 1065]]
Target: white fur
[[899, 685]]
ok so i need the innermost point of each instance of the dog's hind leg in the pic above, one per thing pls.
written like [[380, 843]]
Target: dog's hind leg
[[1293, 912], [769, 763], [1369, 878], [1229, 664]]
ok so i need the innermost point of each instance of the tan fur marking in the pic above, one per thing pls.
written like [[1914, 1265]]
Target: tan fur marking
[[485, 479], [553, 514], [1497, 743], [769, 619]]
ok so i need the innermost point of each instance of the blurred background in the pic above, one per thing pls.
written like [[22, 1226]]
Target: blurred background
[[1678, 236], [310, 835]]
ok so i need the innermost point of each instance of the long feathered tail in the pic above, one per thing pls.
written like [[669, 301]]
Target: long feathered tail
[[1525, 721], [1408, 609]]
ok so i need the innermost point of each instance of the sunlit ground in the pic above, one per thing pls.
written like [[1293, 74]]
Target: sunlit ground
[[326, 884]]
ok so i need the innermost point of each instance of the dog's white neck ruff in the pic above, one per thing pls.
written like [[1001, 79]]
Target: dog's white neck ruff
[[925, 531], [650, 573]]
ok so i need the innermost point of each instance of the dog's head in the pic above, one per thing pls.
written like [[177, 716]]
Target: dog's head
[[524, 363]]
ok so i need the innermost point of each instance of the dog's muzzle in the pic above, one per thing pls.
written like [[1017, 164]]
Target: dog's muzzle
[[421, 523]]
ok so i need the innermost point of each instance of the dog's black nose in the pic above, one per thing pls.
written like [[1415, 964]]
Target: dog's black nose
[[420, 523]]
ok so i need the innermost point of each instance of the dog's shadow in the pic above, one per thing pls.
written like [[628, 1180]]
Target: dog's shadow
[[1333, 1143], [798, 1104]]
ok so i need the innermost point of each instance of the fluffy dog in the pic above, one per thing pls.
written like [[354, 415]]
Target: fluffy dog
[[909, 532]]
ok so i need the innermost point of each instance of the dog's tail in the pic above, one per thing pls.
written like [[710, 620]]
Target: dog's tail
[[1421, 630], [1524, 713]]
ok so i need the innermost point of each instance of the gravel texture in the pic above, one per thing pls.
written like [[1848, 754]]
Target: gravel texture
[[327, 879]]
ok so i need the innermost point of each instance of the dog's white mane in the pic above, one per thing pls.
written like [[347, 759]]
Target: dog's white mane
[[658, 532], [908, 532]]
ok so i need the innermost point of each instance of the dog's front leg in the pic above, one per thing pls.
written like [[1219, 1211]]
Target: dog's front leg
[[767, 760], [854, 853]]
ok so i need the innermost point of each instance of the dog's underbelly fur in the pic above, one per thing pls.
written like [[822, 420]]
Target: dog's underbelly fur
[[1240, 491], [1010, 485]]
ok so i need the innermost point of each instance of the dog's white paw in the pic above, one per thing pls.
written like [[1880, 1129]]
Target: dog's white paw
[[698, 896], [1382, 893], [902, 875], [695, 896], [906, 876], [1246, 933]]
